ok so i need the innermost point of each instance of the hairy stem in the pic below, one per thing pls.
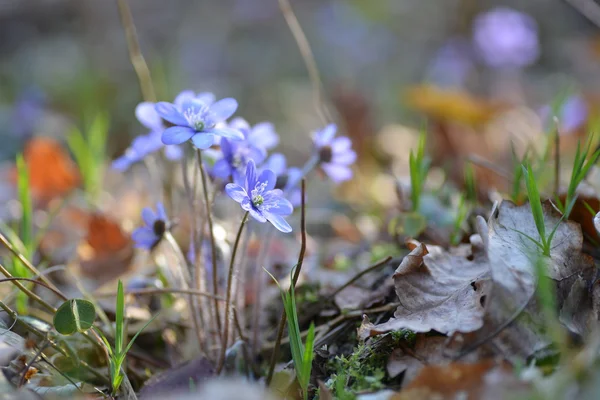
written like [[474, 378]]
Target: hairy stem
[[225, 336], [213, 244]]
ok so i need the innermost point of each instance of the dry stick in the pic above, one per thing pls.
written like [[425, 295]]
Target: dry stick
[[359, 275], [26, 262], [59, 349], [213, 244], [225, 336], [28, 292], [308, 57], [135, 54], [282, 320]]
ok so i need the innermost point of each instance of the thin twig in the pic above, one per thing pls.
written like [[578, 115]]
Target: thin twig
[[213, 244], [152, 291], [28, 292], [26, 262], [359, 275], [308, 57], [275, 352], [135, 54], [225, 336], [56, 292]]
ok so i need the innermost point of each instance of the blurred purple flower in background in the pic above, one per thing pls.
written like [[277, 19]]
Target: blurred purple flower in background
[[259, 197], [196, 119], [235, 154], [573, 114], [506, 38], [451, 64], [156, 225], [27, 112], [335, 155]]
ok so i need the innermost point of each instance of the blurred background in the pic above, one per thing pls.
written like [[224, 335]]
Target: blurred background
[[61, 59]]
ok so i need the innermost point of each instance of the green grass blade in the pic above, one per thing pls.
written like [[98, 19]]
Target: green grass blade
[[119, 319], [26, 231], [535, 202], [138, 333]]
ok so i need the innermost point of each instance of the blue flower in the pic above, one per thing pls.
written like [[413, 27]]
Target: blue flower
[[144, 145], [236, 154], [156, 225], [197, 119], [259, 197], [335, 155], [572, 116]]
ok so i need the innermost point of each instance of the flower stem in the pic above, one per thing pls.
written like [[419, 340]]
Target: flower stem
[[228, 293], [295, 277], [213, 245]]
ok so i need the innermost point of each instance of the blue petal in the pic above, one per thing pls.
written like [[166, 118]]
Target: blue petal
[[147, 115], [206, 98], [325, 135], [221, 110], [193, 106], [160, 211], [294, 177], [250, 176], [276, 163], [144, 238], [221, 169], [268, 177], [279, 205], [173, 152], [236, 192], [177, 135], [344, 158], [226, 148], [337, 173], [228, 133], [240, 124], [148, 216], [169, 112], [279, 222], [341, 144], [264, 135], [203, 140], [122, 163], [257, 215], [183, 97]]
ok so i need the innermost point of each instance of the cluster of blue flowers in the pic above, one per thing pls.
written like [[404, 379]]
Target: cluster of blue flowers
[[264, 185]]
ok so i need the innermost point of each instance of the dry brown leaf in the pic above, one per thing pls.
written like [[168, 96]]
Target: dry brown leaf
[[486, 379], [439, 291]]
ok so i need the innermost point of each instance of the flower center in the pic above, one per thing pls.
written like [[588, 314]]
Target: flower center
[[159, 228], [195, 118], [258, 200], [325, 154]]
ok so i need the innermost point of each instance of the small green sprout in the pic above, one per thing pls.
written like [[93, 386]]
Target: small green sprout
[[459, 221], [89, 149], [580, 170], [537, 211], [302, 354], [470, 185], [419, 167], [118, 354]]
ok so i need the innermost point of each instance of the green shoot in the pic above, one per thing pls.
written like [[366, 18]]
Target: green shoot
[[89, 150], [578, 174], [302, 354], [461, 216], [25, 234], [470, 187], [516, 195], [118, 354], [419, 167], [535, 202]]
